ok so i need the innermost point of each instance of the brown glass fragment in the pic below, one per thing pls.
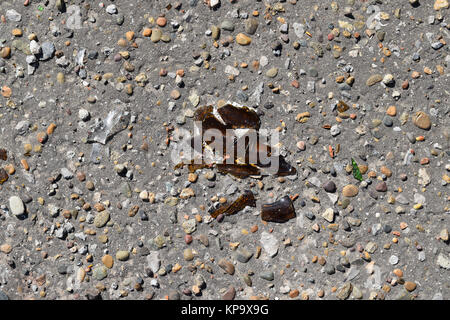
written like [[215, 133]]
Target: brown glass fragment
[[211, 122], [3, 154], [192, 167], [256, 155], [201, 112], [244, 200], [239, 170], [284, 168], [279, 211], [342, 106], [239, 117], [3, 176]]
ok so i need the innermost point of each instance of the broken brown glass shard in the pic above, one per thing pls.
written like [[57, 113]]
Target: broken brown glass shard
[[244, 200], [239, 117], [222, 147], [231, 117], [238, 170], [201, 112], [342, 106], [3, 176], [211, 122], [279, 211], [284, 168], [192, 167], [3, 154]]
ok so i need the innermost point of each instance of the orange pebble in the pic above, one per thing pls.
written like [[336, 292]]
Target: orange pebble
[[129, 35], [398, 273], [391, 111], [6, 91], [147, 32], [51, 128], [25, 164], [161, 21]]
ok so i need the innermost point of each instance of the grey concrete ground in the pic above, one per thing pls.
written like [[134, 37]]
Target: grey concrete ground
[[93, 94]]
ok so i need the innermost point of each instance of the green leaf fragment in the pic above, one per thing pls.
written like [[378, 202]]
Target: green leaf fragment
[[356, 173]]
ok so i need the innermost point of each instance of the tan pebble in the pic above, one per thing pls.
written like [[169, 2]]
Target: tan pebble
[[386, 171], [410, 286], [242, 39], [27, 148], [363, 168], [188, 255], [10, 169], [108, 261], [176, 268], [440, 4], [25, 164], [422, 120], [6, 248], [129, 89], [122, 42], [374, 79], [16, 32], [372, 174], [192, 177], [175, 94], [5, 53], [443, 235], [60, 77], [129, 35], [350, 190]]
